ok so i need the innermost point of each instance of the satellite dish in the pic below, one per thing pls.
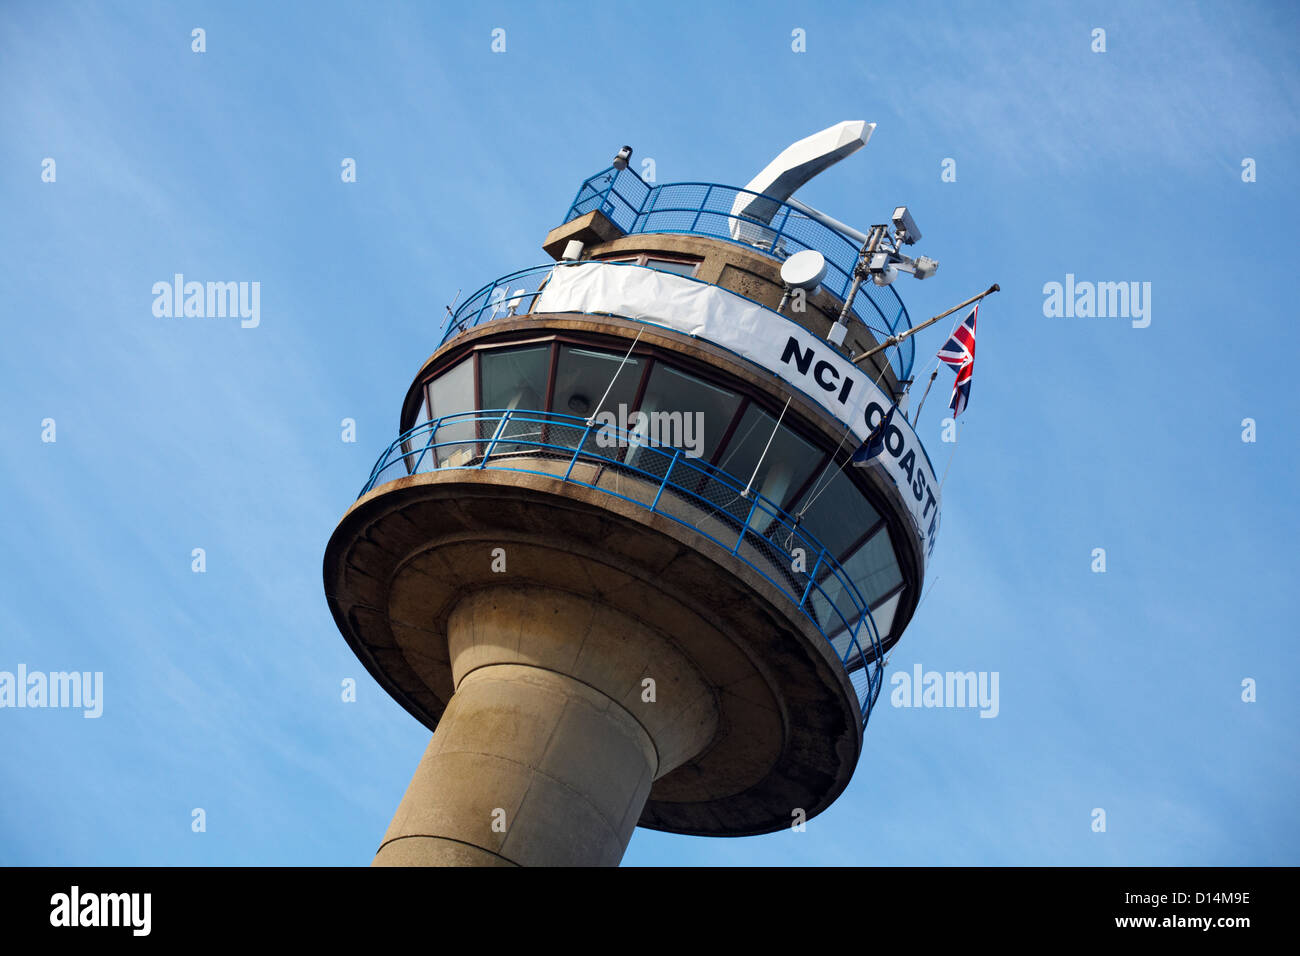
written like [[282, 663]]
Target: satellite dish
[[804, 270]]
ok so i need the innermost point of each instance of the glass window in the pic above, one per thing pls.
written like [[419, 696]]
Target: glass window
[[663, 265], [884, 614], [451, 393], [837, 513], [421, 416], [873, 567], [853, 657], [685, 412], [834, 605], [873, 570], [583, 375], [677, 268], [788, 462], [453, 390], [515, 378]]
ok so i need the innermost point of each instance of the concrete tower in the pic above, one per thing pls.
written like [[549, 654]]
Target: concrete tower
[[617, 558]]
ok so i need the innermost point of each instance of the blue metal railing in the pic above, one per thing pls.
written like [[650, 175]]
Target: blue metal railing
[[513, 294], [705, 209], [667, 482]]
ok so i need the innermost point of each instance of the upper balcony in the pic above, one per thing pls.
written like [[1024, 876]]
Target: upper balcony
[[730, 214]]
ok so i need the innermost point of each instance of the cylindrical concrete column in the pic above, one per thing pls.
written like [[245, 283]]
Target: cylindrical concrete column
[[566, 710]]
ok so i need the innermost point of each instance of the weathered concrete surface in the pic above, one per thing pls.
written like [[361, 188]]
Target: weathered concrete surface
[[592, 228], [547, 751], [408, 555]]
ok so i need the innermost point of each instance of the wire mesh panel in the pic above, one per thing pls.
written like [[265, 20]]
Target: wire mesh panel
[[618, 197], [750, 219], [692, 496]]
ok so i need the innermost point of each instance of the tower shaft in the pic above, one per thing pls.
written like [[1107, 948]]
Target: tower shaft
[[565, 712]]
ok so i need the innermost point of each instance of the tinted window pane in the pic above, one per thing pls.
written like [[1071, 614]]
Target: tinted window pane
[[873, 567], [686, 412], [787, 464], [838, 513], [884, 615], [677, 268], [515, 378], [449, 394], [421, 416], [583, 375], [834, 605]]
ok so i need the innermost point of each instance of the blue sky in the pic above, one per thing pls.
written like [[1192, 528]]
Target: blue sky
[[1120, 691]]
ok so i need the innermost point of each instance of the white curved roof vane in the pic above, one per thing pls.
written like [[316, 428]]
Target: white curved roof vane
[[794, 166]]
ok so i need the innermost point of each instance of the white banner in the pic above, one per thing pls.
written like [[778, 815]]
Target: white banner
[[778, 344]]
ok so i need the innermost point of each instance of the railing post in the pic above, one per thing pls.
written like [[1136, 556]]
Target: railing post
[[812, 578], [781, 231], [496, 434], [433, 430], [672, 464], [745, 527], [577, 451], [698, 212]]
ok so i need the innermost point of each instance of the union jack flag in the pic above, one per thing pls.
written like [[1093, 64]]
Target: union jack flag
[[959, 352]]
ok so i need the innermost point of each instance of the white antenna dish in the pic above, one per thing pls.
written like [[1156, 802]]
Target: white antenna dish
[[804, 270]]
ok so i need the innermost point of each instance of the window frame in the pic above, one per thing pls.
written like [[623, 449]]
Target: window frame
[[644, 258]]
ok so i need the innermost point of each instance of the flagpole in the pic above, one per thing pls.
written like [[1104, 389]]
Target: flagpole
[[895, 339]]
